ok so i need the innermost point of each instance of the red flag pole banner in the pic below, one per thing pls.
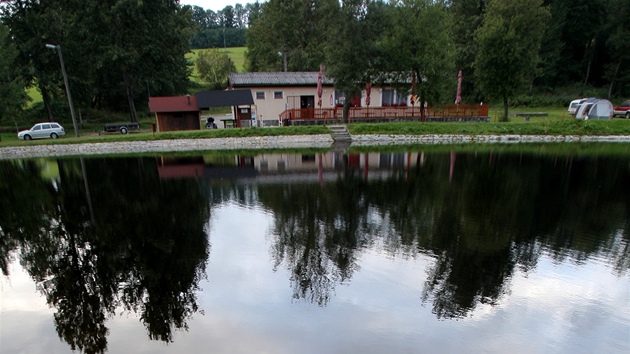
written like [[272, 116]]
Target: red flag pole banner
[[368, 93], [458, 98], [413, 95], [320, 86]]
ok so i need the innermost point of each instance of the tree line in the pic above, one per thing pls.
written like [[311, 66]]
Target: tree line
[[115, 52], [224, 28], [118, 52], [504, 48]]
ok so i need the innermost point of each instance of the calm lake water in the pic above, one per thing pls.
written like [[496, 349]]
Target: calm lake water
[[431, 251]]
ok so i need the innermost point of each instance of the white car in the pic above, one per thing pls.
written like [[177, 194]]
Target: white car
[[42, 131]]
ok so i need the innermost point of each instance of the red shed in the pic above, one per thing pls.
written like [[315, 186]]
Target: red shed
[[176, 113]]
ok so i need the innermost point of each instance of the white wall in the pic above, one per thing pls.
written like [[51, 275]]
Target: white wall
[[270, 108]]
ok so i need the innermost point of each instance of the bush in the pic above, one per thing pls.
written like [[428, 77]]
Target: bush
[[37, 113], [557, 97]]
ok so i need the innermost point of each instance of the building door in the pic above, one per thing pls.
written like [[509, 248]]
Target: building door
[[244, 116], [307, 105]]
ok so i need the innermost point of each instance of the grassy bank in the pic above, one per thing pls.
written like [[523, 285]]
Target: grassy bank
[[555, 127], [540, 126], [10, 139]]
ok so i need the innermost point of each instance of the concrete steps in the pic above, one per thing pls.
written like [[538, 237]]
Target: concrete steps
[[341, 137], [340, 133]]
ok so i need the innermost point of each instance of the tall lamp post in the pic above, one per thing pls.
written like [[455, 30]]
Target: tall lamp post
[[65, 80]]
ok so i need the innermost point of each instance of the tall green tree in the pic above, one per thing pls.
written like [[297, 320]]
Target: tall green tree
[[582, 54], [618, 70], [106, 68], [214, 66], [12, 83], [418, 44], [32, 25], [144, 49], [272, 35], [290, 34], [509, 42], [467, 17], [352, 47]]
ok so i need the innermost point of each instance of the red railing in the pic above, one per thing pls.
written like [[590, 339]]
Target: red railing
[[391, 112]]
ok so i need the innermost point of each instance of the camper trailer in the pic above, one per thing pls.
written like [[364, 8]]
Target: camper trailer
[[595, 108], [573, 106]]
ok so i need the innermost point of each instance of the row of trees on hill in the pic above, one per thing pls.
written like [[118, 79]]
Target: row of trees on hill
[[226, 27]]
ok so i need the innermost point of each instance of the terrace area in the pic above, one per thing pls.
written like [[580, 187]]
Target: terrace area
[[451, 113]]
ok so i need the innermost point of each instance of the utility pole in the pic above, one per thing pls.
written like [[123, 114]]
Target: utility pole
[[65, 80]]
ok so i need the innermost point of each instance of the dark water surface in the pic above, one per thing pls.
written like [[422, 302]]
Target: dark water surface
[[417, 252]]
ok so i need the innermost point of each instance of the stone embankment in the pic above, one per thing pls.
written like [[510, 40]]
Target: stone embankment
[[379, 140], [280, 142], [173, 145]]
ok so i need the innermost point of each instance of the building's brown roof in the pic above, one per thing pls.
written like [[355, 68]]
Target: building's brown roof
[[173, 104]]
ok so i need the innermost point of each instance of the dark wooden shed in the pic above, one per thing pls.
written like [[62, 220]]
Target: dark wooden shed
[[176, 113]]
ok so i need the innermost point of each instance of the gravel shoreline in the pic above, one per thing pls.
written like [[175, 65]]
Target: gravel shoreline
[[284, 142]]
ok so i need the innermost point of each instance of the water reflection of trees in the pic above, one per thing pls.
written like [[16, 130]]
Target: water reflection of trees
[[317, 233], [497, 214], [133, 241], [138, 242]]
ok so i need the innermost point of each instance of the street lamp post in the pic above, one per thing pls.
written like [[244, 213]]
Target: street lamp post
[[65, 80]]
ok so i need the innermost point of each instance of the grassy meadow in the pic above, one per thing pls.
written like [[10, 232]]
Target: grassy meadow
[[237, 54]]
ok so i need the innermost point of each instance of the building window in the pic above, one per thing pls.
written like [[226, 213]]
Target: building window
[[393, 98], [340, 98], [260, 95], [388, 97], [277, 94]]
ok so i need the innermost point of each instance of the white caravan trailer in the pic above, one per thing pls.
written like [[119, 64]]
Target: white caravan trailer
[[594, 108], [573, 106]]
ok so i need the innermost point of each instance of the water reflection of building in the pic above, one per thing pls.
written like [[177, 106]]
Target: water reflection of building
[[270, 167]]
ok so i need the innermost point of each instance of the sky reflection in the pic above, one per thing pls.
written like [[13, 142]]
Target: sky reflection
[[248, 307]]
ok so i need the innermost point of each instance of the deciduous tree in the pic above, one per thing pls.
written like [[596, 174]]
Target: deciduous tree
[[12, 84], [352, 47], [509, 42], [292, 32], [214, 66], [618, 70], [417, 45]]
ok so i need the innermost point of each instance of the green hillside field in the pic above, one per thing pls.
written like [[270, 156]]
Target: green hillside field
[[237, 55]]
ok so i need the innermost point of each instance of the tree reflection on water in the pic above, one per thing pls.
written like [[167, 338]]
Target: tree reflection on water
[[128, 239], [495, 214], [139, 248]]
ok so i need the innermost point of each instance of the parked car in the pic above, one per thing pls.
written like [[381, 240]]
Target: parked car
[[623, 109], [42, 131]]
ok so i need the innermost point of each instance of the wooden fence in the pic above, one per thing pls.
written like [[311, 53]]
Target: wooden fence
[[366, 114]]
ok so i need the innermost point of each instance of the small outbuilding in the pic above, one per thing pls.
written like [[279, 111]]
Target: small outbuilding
[[176, 113], [595, 108]]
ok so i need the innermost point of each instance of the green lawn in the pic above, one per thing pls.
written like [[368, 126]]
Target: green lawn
[[551, 125], [237, 55]]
